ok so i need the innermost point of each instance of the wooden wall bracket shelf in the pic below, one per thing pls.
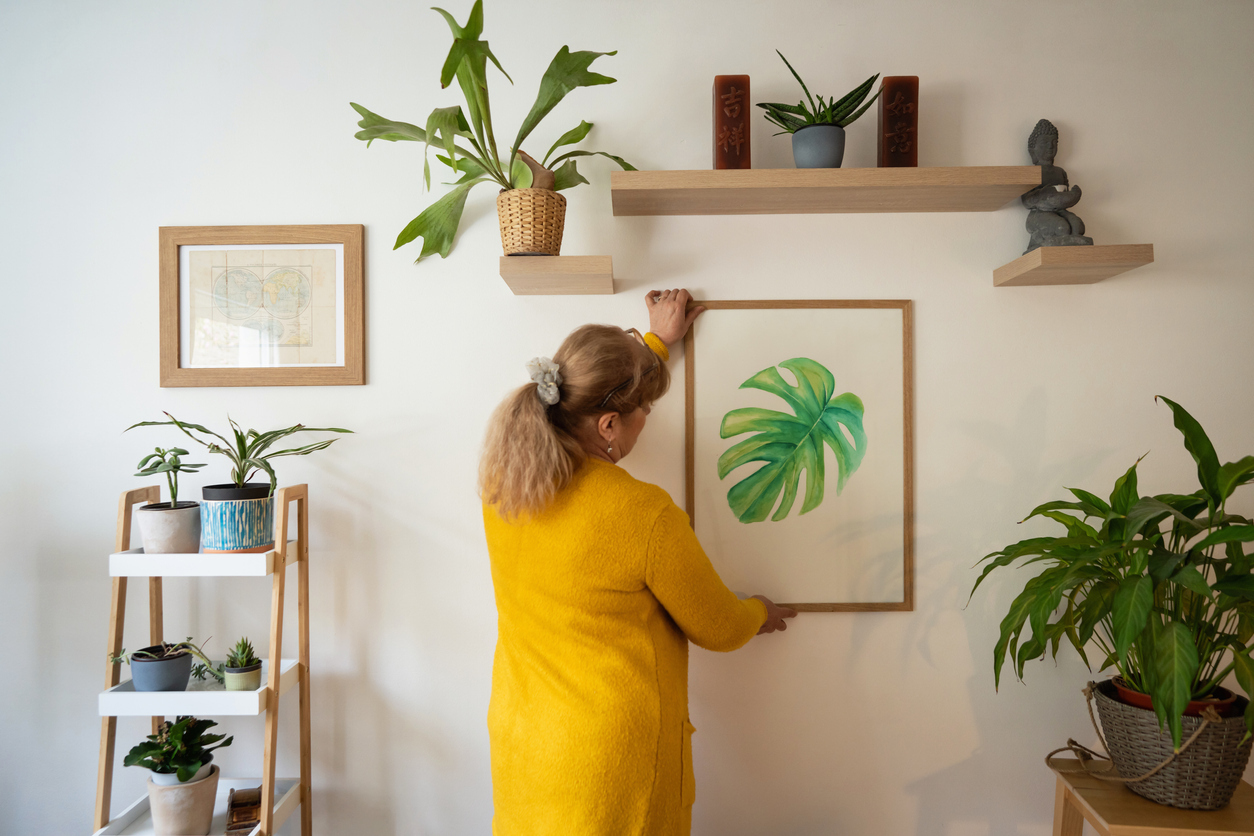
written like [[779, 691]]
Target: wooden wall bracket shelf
[[1072, 265], [778, 191], [558, 275]]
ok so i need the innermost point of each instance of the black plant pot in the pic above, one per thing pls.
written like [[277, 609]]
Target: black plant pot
[[169, 673], [231, 491]]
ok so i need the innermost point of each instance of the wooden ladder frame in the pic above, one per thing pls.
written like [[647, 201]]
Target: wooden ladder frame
[[117, 616]]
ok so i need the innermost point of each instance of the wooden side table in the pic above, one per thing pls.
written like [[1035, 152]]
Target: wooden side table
[[1114, 810]]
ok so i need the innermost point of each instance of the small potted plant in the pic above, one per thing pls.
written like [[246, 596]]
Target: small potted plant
[[243, 668], [239, 516], [1163, 588], [169, 527], [183, 782], [165, 666], [818, 131], [531, 212]]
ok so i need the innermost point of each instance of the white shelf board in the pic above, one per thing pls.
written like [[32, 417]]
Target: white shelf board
[[135, 564], [136, 820], [202, 698]]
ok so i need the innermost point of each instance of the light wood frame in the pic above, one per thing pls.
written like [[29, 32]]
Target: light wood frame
[[349, 235], [906, 604]]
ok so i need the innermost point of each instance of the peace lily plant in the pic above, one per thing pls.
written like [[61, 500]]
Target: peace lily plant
[[483, 162], [1162, 585]]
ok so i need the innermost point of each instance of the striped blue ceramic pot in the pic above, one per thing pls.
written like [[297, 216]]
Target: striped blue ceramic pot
[[234, 519]]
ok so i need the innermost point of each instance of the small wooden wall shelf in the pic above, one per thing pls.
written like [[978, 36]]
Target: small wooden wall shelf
[[557, 275], [1072, 265], [777, 191]]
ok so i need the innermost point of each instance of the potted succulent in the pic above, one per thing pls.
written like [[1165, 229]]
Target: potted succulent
[[532, 214], [1162, 587], [169, 527], [243, 668], [183, 782], [165, 666], [818, 130], [239, 516]]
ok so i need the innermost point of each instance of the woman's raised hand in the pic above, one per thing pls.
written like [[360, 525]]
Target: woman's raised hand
[[774, 616], [669, 316]]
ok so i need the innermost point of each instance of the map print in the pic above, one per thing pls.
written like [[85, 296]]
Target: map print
[[263, 308]]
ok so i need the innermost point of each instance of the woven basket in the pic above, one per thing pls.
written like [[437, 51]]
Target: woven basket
[[1203, 777], [532, 221]]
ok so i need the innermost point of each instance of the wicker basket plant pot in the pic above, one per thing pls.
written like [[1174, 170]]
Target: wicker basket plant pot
[[1202, 777], [532, 221]]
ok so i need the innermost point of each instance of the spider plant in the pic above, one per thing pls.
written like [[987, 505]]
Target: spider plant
[[840, 112], [247, 451], [483, 162], [1162, 585]]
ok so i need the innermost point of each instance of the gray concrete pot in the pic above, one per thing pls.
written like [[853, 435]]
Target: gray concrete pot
[[243, 679], [818, 146], [166, 531], [184, 809], [168, 674]]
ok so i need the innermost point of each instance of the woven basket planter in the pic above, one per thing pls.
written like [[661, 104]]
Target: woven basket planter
[[532, 221], [1203, 777]]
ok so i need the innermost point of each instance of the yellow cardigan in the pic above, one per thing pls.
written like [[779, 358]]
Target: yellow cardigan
[[597, 598]]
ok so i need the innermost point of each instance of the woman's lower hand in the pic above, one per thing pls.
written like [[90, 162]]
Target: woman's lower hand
[[669, 317], [774, 616]]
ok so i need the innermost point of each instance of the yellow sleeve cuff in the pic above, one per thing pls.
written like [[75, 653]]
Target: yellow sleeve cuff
[[654, 342]]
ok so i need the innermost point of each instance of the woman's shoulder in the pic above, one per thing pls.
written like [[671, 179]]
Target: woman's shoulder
[[611, 482]]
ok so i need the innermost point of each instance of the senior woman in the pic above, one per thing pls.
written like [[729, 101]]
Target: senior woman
[[600, 585]]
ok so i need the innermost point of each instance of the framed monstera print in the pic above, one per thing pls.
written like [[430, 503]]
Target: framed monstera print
[[261, 305], [800, 458]]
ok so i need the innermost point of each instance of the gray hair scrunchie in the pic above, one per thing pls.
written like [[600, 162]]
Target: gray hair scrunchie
[[544, 372]]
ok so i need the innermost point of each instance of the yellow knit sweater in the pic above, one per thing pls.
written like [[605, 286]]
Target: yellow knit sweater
[[597, 598]]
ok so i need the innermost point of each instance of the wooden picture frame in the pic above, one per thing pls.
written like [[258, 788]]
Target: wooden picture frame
[[340, 362], [906, 603]]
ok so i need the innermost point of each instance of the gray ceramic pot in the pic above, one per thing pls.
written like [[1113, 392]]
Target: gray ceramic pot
[[818, 146], [170, 674], [170, 531], [243, 679]]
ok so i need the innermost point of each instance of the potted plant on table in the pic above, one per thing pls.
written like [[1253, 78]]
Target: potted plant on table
[[169, 527], [1162, 586], [183, 782], [243, 668], [239, 516], [532, 214], [818, 130], [165, 666]]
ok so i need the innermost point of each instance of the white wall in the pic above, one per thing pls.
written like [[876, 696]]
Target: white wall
[[121, 117]]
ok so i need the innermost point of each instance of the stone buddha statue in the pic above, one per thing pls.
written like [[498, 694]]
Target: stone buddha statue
[[1049, 223]]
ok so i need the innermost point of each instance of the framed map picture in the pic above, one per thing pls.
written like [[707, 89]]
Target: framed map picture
[[261, 305], [800, 456]]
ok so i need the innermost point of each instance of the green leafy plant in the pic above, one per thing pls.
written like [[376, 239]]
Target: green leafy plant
[[169, 463], [467, 61], [248, 450], [242, 655], [180, 748], [1162, 585], [170, 651], [841, 112], [790, 444]]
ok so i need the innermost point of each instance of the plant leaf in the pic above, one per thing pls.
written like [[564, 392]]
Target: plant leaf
[[1175, 665], [575, 134], [567, 176], [437, 225], [1244, 668], [1125, 492], [566, 71], [446, 122], [520, 175], [1130, 612], [790, 444], [1231, 534], [1234, 474], [375, 127], [626, 166], [1198, 444]]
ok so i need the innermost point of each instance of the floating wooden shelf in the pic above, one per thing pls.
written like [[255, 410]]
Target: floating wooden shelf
[[781, 191], [133, 563], [558, 275], [202, 698], [1072, 265], [137, 818]]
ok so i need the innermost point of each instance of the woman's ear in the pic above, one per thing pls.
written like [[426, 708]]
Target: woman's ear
[[607, 425]]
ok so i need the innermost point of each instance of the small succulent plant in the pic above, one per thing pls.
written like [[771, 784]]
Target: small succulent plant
[[841, 112], [242, 655]]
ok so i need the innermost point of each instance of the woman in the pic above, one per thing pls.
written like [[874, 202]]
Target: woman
[[600, 585]]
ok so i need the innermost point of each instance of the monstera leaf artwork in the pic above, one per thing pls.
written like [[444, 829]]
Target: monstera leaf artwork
[[790, 444]]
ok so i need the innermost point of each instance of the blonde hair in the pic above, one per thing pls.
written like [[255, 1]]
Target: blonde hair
[[532, 450]]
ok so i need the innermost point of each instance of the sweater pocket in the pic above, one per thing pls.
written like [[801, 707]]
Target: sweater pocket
[[688, 785]]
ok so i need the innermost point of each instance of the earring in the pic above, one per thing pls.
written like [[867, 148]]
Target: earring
[[610, 449]]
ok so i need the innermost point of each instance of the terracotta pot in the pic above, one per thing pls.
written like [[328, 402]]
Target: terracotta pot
[[1224, 700], [183, 809]]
